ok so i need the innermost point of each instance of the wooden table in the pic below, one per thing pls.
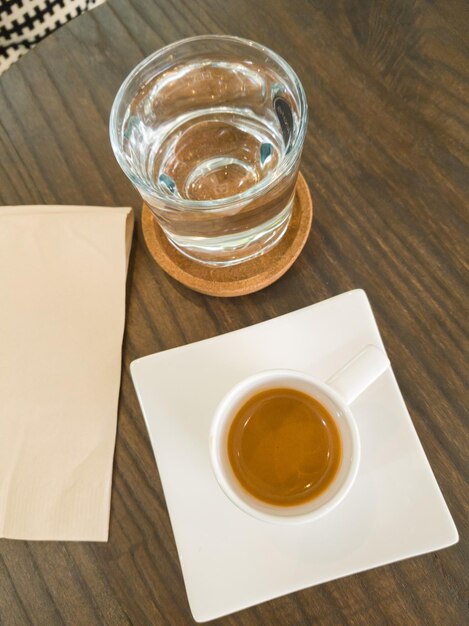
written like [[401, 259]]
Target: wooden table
[[384, 157]]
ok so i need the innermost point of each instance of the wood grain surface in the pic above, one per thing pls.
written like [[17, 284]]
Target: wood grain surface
[[386, 158]]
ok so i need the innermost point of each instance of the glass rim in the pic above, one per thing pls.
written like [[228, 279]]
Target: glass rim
[[253, 192]]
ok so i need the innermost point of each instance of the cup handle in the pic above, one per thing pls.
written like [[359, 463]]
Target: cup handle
[[353, 378]]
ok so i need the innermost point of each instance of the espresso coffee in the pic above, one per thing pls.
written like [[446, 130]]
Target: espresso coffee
[[284, 447]]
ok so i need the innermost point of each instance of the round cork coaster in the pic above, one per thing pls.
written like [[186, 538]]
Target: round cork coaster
[[243, 278]]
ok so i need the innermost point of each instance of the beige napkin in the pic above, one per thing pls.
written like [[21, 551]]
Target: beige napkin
[[62, 308]]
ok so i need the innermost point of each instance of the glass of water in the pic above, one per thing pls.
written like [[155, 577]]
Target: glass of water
[[210, 131]]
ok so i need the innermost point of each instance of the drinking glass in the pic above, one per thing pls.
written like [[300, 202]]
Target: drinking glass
[[210, 131]]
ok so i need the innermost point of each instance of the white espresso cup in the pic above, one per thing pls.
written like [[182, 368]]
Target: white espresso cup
[[335, 395]]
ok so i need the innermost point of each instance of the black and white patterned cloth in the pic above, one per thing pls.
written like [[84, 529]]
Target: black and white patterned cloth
[[25, 22]]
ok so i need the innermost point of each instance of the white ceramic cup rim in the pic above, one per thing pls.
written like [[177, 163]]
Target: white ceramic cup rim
[[336, 395]]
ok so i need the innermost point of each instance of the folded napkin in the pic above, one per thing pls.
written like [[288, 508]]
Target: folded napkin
[[62, 308]]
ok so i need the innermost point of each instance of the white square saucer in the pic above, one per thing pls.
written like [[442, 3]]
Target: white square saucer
[[231, 561]]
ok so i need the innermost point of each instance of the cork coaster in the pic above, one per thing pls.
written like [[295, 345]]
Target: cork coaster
[[245, 277]]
